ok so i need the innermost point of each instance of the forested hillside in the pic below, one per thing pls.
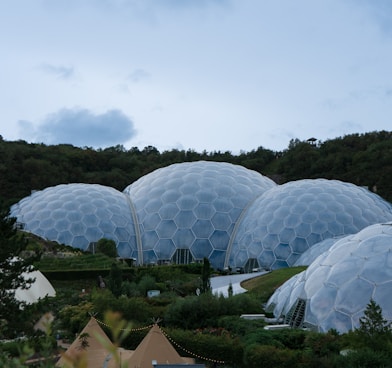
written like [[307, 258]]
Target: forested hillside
[[362, 159]]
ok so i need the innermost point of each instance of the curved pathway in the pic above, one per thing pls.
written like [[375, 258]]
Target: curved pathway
[[220, 284]]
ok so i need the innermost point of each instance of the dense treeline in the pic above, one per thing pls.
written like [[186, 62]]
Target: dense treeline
[[362, 159]]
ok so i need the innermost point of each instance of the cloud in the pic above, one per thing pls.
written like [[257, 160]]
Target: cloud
[[138, 75], [380, 11], [59, 71], [146, 10], [81, 127], [150, 4], [193, 3]]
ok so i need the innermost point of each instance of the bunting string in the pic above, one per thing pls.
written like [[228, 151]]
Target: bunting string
[[124, 329], [190, 352], [168, 337]]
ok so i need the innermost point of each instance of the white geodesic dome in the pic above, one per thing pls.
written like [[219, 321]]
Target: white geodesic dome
[[189, 210], [288, 219], [181, 213], [39, 289], [79, 214], [336, 288], [306, 258]]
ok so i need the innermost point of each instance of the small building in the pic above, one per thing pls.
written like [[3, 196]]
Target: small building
[[277, 327], [252, 316]]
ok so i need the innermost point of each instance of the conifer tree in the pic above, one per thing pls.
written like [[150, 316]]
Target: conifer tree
[[205, 276], [374, 330], [12, 268], [115, 279]]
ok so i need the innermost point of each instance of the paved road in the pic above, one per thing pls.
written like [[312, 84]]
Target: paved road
[[220, 284]]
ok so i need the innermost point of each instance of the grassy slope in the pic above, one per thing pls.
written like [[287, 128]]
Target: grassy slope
[[265, 285]]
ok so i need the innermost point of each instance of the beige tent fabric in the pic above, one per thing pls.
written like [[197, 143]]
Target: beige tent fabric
[[155, 347], [95, 354], [44, 322]]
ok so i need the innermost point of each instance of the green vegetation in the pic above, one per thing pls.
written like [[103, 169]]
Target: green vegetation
[[374, 330], [207, 325], [264, 286], [107, 247], [362, 159], [12, 268], [206, 272], [81, 261]]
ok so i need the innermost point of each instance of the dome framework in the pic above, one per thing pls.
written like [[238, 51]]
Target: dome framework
[[288, 219], [336, 288], [186, 212], [178, 214]]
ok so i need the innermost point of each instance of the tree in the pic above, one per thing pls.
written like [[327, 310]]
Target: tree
[[12, 270], [230, 290], [107, 247], [115, 280], [205, 276], [374, 331]]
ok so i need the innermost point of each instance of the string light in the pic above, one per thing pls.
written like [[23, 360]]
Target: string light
[[124, 329], [189, 352], [168, 337]]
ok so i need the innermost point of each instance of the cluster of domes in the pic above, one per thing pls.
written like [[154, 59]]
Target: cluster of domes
[[185, 212], [180, 213], [237, 217], [337, 286]]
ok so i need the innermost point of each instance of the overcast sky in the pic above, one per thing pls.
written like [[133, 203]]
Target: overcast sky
[[194, 74]]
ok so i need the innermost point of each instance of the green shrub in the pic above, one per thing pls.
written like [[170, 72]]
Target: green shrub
[[240, 326], [207, 346], [368, 358], [270, 356], [204, 310], [107, 247]]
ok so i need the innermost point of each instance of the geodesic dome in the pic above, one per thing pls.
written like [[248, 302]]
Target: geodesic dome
[[78, 215], [188, 211], [306, 258], [288, 219], [39, 289], [180, 213], [336, 288]]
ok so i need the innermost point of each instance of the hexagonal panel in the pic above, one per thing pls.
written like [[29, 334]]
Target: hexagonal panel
[[187, 202], [151, 221], [203, 229], [340, 282], [165, 249], [201, 248], [221, 221], [185, 219], [219, 239], [168, 211], [149, 239], [166, 229], [204, 211], [183, 238], [80, 242], [90, 220]]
